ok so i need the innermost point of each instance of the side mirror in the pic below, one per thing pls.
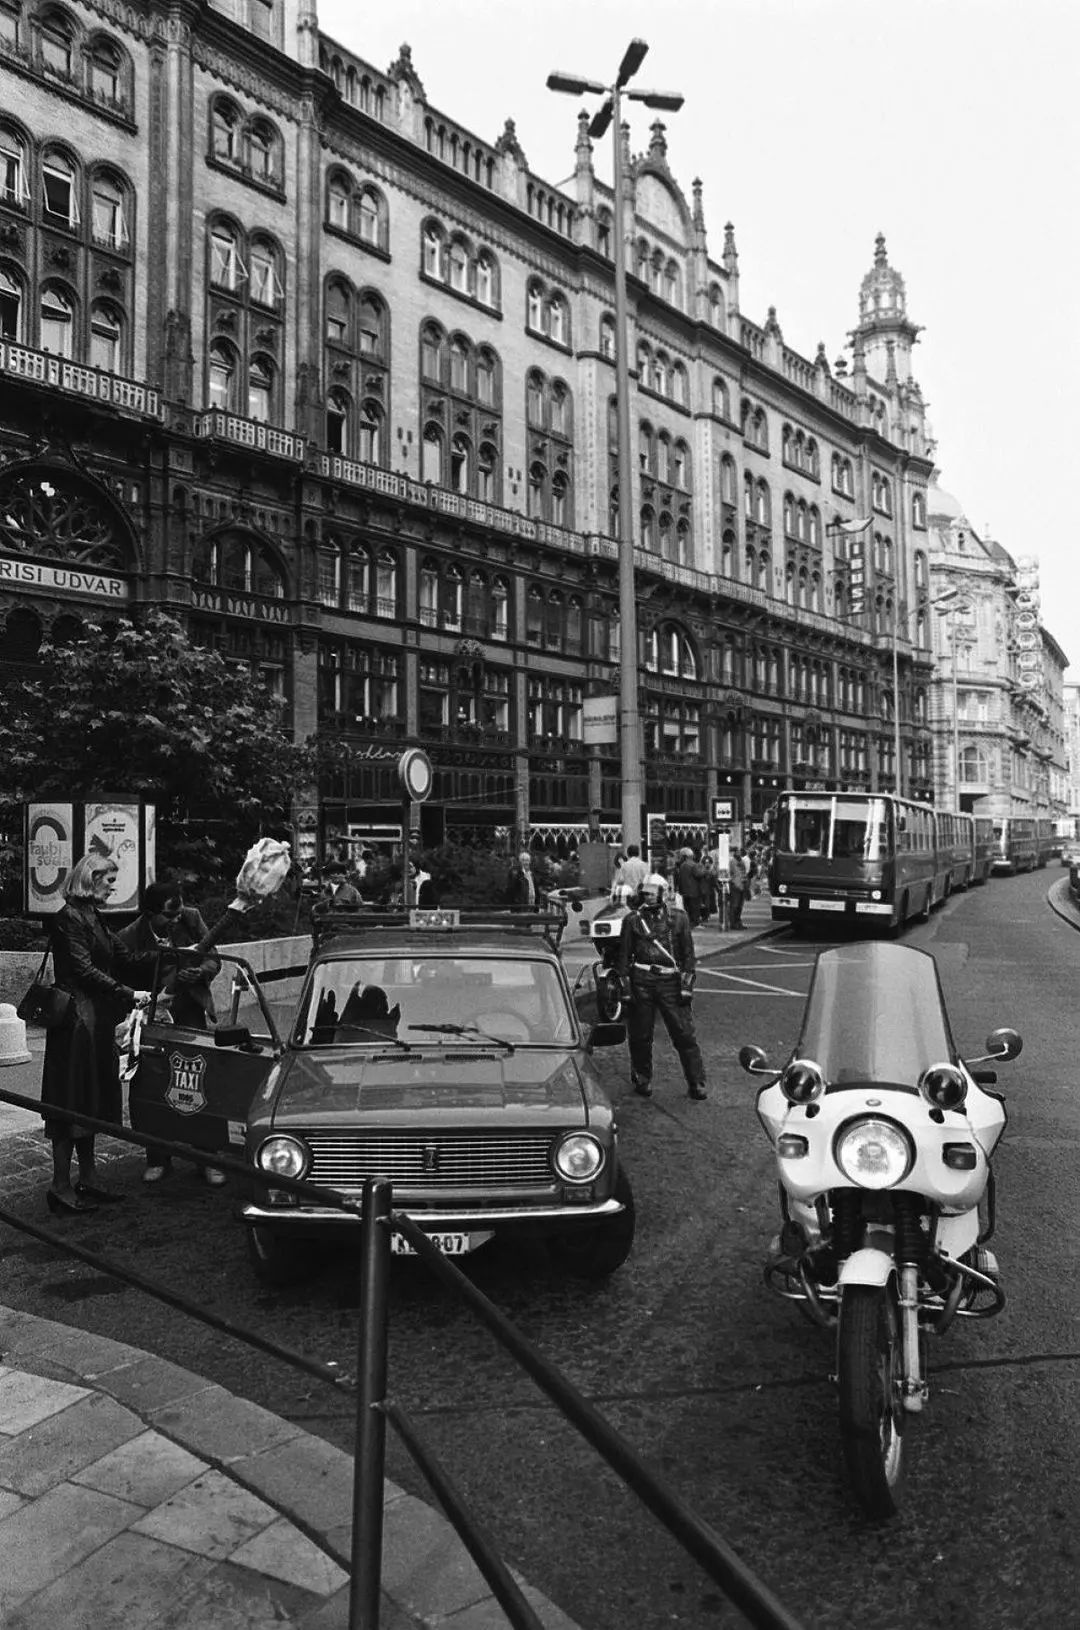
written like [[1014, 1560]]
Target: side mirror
[[1004, 1044], [607, 1034], [234, 1035], [755, 1061]]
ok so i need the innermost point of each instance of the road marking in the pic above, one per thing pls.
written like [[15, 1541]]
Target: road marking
[[759, 986]]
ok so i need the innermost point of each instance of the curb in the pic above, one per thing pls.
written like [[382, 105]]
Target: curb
[[1063, 906], [427, 1575]]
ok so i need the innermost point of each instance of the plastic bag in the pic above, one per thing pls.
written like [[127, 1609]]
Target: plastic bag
[[265, 868]]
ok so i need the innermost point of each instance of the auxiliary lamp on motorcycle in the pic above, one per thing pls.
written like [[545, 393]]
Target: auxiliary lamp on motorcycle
[[944, 1086]]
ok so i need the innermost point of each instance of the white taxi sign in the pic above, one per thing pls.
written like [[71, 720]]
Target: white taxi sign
[[434, 917]]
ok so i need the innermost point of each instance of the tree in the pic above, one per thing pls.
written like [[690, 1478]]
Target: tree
[[135, 709]]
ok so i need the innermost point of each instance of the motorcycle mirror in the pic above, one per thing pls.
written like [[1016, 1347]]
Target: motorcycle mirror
[[1004, 1044], [755, 1061]]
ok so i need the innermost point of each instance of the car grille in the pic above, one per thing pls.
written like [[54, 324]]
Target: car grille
[[446, 1162]]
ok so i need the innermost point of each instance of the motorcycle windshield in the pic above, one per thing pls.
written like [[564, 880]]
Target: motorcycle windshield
[[875, 1013]]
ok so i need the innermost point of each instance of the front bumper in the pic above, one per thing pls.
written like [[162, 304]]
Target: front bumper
[[442, 1220]]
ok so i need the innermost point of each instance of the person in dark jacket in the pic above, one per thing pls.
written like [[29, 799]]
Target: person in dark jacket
[[657, 968], [690, 882], [80, 1071], [165, 925], [520, 883]]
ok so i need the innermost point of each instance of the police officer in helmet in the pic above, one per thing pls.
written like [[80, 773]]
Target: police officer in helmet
[[657, 970]]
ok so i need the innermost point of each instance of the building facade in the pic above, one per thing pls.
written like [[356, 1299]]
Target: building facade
[[293, 355], [997, 705]]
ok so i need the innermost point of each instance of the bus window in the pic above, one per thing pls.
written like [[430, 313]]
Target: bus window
[[811, 829]]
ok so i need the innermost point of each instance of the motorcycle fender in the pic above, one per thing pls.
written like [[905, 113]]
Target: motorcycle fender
[[867, 1267]]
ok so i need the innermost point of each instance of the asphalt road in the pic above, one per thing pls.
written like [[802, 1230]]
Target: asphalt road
[[722, 1386]]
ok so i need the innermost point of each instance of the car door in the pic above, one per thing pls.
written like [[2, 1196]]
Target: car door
[[196, 1086]]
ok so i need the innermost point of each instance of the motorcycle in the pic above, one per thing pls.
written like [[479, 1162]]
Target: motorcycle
[[604, 930], [883, 1137]]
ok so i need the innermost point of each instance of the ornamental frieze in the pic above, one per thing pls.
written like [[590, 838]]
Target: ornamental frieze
[[243, 79]]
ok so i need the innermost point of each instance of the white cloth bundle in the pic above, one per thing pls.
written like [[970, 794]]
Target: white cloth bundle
[[266, 866]]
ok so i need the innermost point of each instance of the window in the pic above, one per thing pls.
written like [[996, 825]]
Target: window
[[11, 308], [534, 308], [57, 322], [105, 338], [13, 187], [260, 390], [108, 226], [433, 253], [56, 46], [485, 378], [221, 377], [9, 22], [369, 445], [534, 400], [105, 69], [720, 399], [431, 455], [459, 267], [227, 270], [261, 143], [607, 338], [58, 191], [369, 323], [337, 422], [264, 286], [337, 314], [337, 204], [261, 18], [369, 217], [225, 125], [559, 321], [485, 280], [431, 349]]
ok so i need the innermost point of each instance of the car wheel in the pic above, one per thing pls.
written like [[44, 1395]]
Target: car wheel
[[596, 1252], [276, 1260]]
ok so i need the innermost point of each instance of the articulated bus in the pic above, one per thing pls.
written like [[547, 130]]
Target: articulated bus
[[956, 846], [867, 858], [1022, 842]]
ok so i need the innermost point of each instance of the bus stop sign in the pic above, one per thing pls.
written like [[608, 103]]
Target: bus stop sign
[[416, 775]]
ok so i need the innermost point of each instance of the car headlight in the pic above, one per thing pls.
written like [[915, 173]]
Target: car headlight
[[874, 1154], [283, 1157], [578, 1157]]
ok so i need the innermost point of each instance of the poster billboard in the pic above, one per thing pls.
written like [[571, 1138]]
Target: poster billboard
[[113, 828], [600, 720], [49, 852]]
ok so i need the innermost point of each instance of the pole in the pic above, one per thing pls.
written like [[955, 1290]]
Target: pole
[[406, 884], [898, 779], [369, 1457], [955, 718], [633, 791]]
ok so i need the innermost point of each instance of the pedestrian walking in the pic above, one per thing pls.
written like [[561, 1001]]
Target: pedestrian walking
[[657, 969], [738, 879], [520, 883], [690, 882], [633, 870], [164, 927], [80, 1071]]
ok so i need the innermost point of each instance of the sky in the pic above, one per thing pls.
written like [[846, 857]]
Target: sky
[[952, 126]]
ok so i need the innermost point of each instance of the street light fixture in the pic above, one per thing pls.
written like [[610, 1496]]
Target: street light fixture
[[632, 778]]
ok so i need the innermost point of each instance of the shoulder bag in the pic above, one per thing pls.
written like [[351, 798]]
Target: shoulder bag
[[44, 1004]]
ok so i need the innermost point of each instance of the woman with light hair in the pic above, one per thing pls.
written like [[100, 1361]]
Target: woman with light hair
[[80, 1073]]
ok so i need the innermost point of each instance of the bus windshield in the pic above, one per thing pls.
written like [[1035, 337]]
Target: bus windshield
[[833, 828]]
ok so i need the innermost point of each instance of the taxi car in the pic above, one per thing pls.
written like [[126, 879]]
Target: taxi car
[[444, 1051]]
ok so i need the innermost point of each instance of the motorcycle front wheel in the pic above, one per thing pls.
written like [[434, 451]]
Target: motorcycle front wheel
[[870, 1376]]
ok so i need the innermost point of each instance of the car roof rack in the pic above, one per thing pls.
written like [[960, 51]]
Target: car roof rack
[[441, 921]]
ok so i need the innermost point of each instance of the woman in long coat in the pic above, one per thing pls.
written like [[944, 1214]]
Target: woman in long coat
[[80, 1069]]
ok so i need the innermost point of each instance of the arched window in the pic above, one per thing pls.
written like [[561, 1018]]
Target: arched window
[[603, 233], [728, 479], [434, 249], [648, 528], [607, 338], [680, 466], [338, 311], [370, 216], [485, 279], [720, 398], [432, 455], [538, 478], [534, 400], [57, 334], [56, 43], [432, 345], [663, 457], [371, 326], [221, 376], [106, 337], [59, 190], [261, 152], [534, 308], [460, 459], [328, 573], [459, 266], [716, 307], [12, 307], [227, 269], [486, 377], [559, 410], [338, 413], [337, 203], [370, 433], [763, 506], [14, 188], [386, 585], [108, 220], [226, 124], [264, 273], [486, 463], [559, 320], [459, 366]]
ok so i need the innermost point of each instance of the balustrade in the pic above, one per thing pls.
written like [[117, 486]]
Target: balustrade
[[78, 379]]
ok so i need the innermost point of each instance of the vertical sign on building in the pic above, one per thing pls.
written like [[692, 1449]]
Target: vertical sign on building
[[857, 578]]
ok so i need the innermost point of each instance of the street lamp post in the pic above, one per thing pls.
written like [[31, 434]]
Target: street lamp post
[[632, 773]]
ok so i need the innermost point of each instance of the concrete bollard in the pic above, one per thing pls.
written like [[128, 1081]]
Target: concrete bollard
[[13, 1048]]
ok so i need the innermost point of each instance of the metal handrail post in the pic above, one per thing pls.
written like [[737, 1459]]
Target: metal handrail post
[[369, 1457]]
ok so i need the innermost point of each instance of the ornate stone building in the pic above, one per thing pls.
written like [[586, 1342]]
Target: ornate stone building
[[289, 352], [997, 706]]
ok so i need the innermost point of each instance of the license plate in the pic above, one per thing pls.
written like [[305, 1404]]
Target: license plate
[[827, 905], [448, 1244]]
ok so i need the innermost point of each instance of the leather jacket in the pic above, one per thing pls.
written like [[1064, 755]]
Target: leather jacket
[[647, 935]]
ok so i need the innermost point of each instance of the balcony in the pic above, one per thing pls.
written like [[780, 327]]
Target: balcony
[[75, 379], [218, 425]]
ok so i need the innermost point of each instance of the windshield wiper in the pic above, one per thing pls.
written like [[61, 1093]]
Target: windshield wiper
[[370, 1030], [465, 1030]]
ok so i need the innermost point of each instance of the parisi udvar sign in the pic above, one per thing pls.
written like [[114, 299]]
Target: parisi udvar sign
[[59, 834]]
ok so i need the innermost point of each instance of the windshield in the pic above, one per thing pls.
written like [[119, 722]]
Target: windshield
[[875, 1013], [434, 1000], [834, 828]]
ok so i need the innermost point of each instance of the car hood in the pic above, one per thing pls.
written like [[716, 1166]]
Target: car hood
[[526, 1085]]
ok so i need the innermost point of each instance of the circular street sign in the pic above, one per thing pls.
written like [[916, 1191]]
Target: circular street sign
[[416, 774]]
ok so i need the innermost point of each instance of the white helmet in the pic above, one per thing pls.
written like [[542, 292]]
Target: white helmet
[[654, 889]]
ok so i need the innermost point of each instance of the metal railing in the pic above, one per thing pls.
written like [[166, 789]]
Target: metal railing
[[375, 1407]]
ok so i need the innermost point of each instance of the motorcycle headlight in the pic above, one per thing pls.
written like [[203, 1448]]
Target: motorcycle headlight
[[874, 1154], [283, 1157], [578, 1157], [802, 1081], [943, 1085]]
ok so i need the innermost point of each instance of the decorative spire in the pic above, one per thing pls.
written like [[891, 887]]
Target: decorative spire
[[772, 326], [880, 257], [821, 360], [402, 70], [699, 211], [583, 146], [508, 143], [731, 254], [658, 145]]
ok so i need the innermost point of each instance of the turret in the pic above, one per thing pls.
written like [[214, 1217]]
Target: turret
[[884, 328]]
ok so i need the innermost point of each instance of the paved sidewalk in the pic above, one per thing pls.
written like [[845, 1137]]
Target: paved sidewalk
[[134, 1493]]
